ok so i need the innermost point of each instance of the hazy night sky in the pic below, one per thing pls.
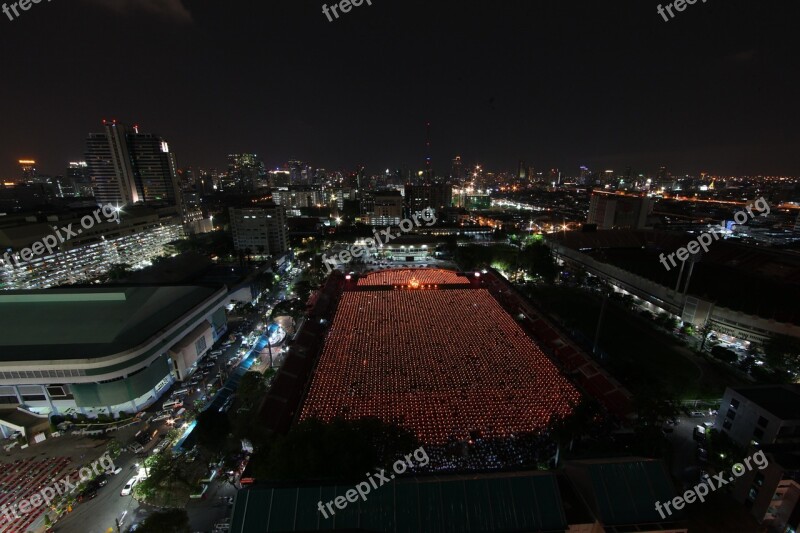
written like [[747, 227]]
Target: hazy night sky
[[557, 83]]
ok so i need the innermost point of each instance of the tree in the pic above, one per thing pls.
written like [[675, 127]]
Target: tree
[[172, 521], [538, 260], [783, 353], [114, 448], [212, 430], [119, 271], [252, 388]]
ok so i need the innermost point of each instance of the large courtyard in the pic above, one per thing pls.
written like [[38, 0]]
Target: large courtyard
[[434, 353]]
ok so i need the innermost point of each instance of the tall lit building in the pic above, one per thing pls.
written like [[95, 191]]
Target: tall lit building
[[28, 167], [247, 171], [420, 198], [260, 229], [522, 171], [457, 170], [78, 175], [128, 167]]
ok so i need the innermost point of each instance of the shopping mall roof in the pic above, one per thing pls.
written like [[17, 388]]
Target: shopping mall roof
[[81, 323], [491, 503]]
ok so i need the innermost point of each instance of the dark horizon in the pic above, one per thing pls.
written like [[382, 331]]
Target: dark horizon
[[554, 84]]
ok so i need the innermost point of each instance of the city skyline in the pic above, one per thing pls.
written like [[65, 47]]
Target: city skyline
[[603, 86]]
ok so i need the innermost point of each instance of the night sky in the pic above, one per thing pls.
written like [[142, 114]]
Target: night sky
[[556, 83]]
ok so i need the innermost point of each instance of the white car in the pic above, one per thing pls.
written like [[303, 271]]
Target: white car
[[128, 488]]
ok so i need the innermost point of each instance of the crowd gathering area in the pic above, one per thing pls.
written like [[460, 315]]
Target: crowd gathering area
[[435, 353], [23, 479]]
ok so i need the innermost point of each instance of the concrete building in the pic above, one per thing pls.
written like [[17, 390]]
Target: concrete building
[[141, 235], [128, 167], [386, 209], [298, 197], [420, 198], [107, 350], [766, 414], [767, 418], [261, 229]]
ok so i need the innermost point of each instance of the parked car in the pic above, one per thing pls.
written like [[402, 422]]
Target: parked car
[[699, 433], [128, 488], [702, 454], [136, 447]]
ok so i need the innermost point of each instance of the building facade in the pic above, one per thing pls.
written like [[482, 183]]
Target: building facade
[[260, 229], [128, 167], [108, 350], [141, 236]]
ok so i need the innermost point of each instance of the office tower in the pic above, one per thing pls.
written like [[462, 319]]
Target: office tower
[[78, 175], [428, 157], [28, 168], [247, 172], [457, 170], [260, 229], [155, 170], [128, 167], [522, 171], [419, 198]]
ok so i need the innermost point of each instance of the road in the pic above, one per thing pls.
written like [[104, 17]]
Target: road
[[99, 514]]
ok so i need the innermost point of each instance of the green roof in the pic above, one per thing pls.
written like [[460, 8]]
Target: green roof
[[626, 492], [489, 503], [81, 323]]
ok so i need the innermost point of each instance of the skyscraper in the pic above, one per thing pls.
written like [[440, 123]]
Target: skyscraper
[[28, 167], [128, 167], [248, 171], [457, 172], [522, 171]]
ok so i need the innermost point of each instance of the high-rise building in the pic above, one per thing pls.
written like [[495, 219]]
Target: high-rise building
[[260, 229], [385, 208], [420, 198], [78, 174], [457, 170], [247, 171], [154, 167], [128, 167], [522, 171], [28, 167]]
